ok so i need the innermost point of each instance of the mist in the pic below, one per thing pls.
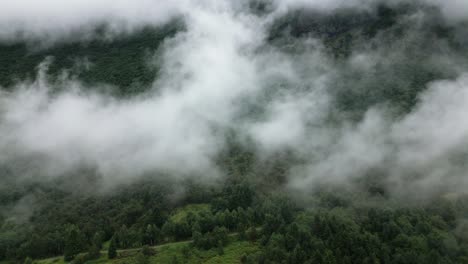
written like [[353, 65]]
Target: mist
[[224, 73]]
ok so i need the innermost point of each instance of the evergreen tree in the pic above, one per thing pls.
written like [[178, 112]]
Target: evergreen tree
[[97, 240], [74, 243], [93, 252], [152, 235], [94, 249], [123, 237], [112, 251]]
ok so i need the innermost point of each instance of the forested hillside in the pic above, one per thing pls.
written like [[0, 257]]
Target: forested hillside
[[246, 132]]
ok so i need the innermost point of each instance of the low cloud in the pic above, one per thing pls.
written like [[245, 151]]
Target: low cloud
[[172, 128], [222, 73], [54, 20], [422, 153]]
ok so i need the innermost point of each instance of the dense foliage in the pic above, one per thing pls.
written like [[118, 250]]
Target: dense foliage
[[413, 50], [331, 229], [76, 214], [122, 61]]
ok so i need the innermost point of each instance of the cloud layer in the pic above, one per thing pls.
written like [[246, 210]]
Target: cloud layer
[[53, 20]]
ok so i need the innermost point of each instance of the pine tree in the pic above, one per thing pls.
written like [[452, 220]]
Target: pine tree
[[112, 251], [97, 240], [74, 243], [152, 235], [96, 245], [93, 252]]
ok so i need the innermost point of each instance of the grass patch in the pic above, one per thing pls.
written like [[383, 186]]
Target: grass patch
[[182, 251], [54, 260], [105, 245], [232, 253]]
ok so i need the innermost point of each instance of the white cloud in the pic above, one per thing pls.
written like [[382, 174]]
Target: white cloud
[[206, 74], [204, 70], [453, 9]]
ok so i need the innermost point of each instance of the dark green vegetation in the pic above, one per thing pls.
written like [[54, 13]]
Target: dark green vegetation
[[418, 47], [123, 61], [332, 228], [247, 216]]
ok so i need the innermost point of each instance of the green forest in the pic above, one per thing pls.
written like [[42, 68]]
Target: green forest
[[248, 214], [236, 222]]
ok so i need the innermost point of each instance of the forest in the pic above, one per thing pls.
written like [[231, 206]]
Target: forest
[[269, 201], [336, 226]]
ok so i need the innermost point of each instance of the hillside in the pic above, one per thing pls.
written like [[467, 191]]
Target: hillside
[[250, 131], [177, 252]]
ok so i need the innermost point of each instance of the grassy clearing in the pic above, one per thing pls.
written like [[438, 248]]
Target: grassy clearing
[[232, 254], [54, 260], [182, 251], [105, 245]]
